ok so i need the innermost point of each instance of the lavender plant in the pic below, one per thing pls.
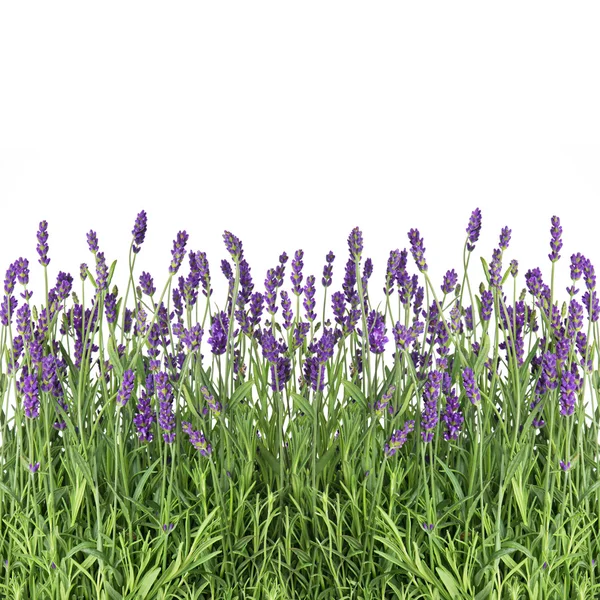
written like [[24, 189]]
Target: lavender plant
[[430, 445]]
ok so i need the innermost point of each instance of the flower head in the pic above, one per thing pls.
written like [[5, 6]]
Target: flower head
[[555, 239], [471, 386], [139, 231], [42, 247], [474, 229], [178, 252]]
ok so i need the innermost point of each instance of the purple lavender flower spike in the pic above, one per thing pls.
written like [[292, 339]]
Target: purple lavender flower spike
[[309, 298], [34, 467], [474, 229], [450, 281], [399, 438], [355, 243], [314, 373], [271, 291], [496, 269], [31, 401], [101, 272], [164, 393], [296, 276], [147, 284], [568, 399], [565, 466], [204, 272], [417, 249], [193, 337], [589, 275], [505, 238], [555, 239], [286, 305], [431, 393], [328, 269], [487, 303], [197, 440], [218, 333], [83, 271], [145, 416], [178, 252], [452, 417], [233, 245], [110, 308], [22, 268], [126, 388], [92, 240], [283, 373], [42, 247], [470, 385], [139, 231], [514, 267], [376, 328], [592, 305]]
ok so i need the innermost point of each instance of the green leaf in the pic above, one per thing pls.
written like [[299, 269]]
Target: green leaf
[[142, 482], [302, 404], [325, 459], [147, 582], [356, 393], [449, 582], [240, 393], [114, 357], [483, 355]]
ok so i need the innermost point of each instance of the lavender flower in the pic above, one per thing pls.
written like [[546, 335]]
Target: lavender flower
[[568, 399], [193, 337], [399, 438], [296, 276], [589, 275], [83, 269], [555, 239], [565, 466], [355, 243], [178, 252], [514, 267], [92, 240], [147, 284], [234, 246], [145, 416], [139, 231], [328, 270], [218, 333], [101, 272], [271, 291], [487, 303], [281, 372], [376, 328], [34, 467], [286, 305], [164, 393], [431, 393], [590, 299], [197, 440], [505, 238], [450, 281], [31, 401], [215, 406], [126, 388], [495, 269], [474, 229], [42, 247], [110, 308], [309, 298], [314, 373], [417, 249], [470, 386]]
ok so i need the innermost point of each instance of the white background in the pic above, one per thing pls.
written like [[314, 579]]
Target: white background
[[291, 123]]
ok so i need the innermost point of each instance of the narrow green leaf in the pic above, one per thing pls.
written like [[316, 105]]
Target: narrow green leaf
[[147, 582], [356, 393]]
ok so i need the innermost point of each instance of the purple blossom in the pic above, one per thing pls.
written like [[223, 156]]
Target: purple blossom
[[281, 372], [417, 249], [565, 466], [578, 262], [495, 269], [92, 240], [178, 252], [429, 417], [126, 388], [147, 284], [568, 387], [555, 239], [22, 268], [271, 291], [101, 272], [399, 438], [355, 243], [110, 308], [376, 328], [213, 404], [328, 269], [470, 385], [31, 401], [34, 467], [256, 308], [233, 245], [197, 439], [309, 298], [474, 229], [286, 305], [83, 269], [139, 231], [589, 275], [450, 281], [314, 373], [164, 393], [203, 272], [514, 267], [590, 300], [296, 276], [218, 333], [42, 247], [487, 303], [505, 238], [193, 337], [391, 274], [575, 318]]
